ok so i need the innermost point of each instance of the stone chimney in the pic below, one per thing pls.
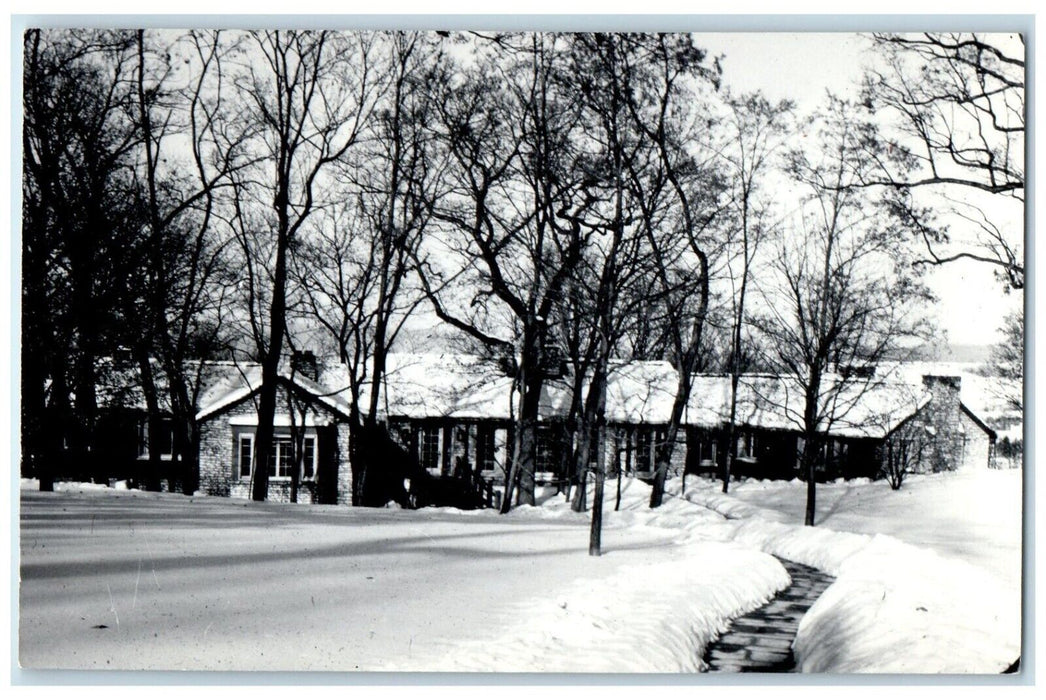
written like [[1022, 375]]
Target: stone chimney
[[943, 420], [303, 364]]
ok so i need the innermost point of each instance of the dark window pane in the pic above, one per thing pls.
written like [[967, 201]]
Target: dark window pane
[[165, 437], [430, 447], [544, 450], [485, 447], [310, 457], [246, 455]]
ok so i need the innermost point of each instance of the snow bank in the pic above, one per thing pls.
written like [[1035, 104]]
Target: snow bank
[[654, 618], [79, 487], [642, 619], [894, 607]]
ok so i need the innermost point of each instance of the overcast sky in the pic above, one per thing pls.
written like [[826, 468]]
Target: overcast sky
[[801, 67]]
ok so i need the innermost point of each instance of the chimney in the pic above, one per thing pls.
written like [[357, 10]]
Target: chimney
[[944, 384], [303, 363], [944, 415]]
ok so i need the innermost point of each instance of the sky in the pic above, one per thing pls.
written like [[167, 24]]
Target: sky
[[802, 67]]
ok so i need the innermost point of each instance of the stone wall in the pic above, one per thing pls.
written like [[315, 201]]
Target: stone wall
[[219, 464], [344, 467], [977, 446], [216, 456]]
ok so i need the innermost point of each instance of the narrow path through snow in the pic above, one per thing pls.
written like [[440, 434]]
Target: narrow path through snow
[[761, 641]]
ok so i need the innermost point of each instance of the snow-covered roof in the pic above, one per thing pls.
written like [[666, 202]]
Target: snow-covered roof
[[450, 385], [857, 407], [986, 397], [641, 392], [119, 383], [240, 382], [430, 385], [438, 385]]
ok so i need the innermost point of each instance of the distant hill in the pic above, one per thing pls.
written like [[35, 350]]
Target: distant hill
[[967, 353], [957, 352]]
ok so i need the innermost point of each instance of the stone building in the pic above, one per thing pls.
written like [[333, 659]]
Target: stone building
[[451, 417], [865, 422], [310, 441]]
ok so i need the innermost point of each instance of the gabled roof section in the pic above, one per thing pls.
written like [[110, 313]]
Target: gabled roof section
[[980, 423], [244, 381], [859, 408]]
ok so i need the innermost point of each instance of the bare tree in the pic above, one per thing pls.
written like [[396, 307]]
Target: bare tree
[[844, 295], [356, 264], [604, 74], [178, 100], [79, 236], [516, 207], [309, 93], [756, 131], [1007, 361], [955, 164], [903, 453], [664, 107]]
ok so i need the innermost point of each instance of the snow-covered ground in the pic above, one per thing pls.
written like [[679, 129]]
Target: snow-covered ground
[[124, 579], [974, 516], [934, 584]]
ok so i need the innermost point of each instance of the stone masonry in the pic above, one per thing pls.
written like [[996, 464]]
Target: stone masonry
[[942, 419], [219, 469]]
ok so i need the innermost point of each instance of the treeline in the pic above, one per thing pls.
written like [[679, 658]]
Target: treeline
[[549, 197]]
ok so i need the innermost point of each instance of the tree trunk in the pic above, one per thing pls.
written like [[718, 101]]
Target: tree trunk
[[86, 413], [186, 432], [731, 444], [687, 364], [521, 471], [596, 531], [617, 501], [267, 396], [58, 415], [355, 463], [579, 504], [808, 463], [154, 421], [811, 494], [277, 329], [664, 453]]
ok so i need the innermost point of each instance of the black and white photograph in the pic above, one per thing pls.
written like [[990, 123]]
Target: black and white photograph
[[482, 349]]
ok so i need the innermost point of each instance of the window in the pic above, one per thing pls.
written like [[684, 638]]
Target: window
[[544, 457], [644, 450], [246, 455], [429, 446], [746, 446], [401, 432], [308, 467], [485, 448], [165, 437], [281, 459]]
